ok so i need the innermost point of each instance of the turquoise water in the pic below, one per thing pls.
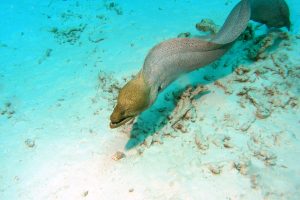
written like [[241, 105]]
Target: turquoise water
[[62, 65]]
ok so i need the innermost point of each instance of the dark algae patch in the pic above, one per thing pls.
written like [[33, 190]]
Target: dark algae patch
[[46, 55], [68, 35], [7, 110], [113, 6]]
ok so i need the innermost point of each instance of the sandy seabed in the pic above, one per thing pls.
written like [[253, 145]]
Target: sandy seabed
[[227, 131]]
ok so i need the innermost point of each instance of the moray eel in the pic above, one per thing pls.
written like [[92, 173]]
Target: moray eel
[[168, 60], [273, 13]]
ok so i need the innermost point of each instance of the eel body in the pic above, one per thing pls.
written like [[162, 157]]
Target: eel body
[[273, 13], [170, 59]]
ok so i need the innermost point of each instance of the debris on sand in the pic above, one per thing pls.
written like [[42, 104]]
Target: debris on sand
[[261, 44], [184, 108], [30, 143], [207, 25], [184, 35], [69, 35], [118, 156], [215, 169], [201, 142], [8, 110]]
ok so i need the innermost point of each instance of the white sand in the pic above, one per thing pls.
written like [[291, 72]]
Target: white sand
[[53, 100]]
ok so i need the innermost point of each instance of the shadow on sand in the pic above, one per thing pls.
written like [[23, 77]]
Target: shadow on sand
[[152, 120]]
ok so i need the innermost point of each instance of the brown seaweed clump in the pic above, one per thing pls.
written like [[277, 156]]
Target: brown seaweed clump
[[263, 43], [69, 35], [113, 6], [207, 25]]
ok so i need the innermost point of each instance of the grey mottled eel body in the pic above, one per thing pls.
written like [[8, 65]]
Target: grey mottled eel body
[[168, 60]]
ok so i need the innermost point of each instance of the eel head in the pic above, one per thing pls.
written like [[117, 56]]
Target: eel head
[[133, 98]]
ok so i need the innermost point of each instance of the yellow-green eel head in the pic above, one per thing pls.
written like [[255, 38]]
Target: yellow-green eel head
[[133, 99]]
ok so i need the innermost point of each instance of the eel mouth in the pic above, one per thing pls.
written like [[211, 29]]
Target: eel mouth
[[120, 122]]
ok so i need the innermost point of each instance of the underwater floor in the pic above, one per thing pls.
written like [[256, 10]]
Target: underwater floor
[[234, 133]]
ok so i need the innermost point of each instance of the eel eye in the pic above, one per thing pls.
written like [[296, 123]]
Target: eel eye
[[159, 89]]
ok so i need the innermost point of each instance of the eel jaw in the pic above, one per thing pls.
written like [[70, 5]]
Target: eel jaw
[[121, 122]]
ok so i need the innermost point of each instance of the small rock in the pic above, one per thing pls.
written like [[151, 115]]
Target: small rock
[[247, 124], [3, 112], [242, 167], [118, 156], [241, 70], [184, 35], [243, 91], [179, 126], [227, 143], [188, 115], [262, 113], [201, 143], [242, 78], [148, 141], [253, 180], [267, 157], [221, 85], [16, 178], [207, 25], [270, 161], [157, 138], [216, 170], [140, 149], [85, 193], [260, 71], [131, 190], [30, 143]]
